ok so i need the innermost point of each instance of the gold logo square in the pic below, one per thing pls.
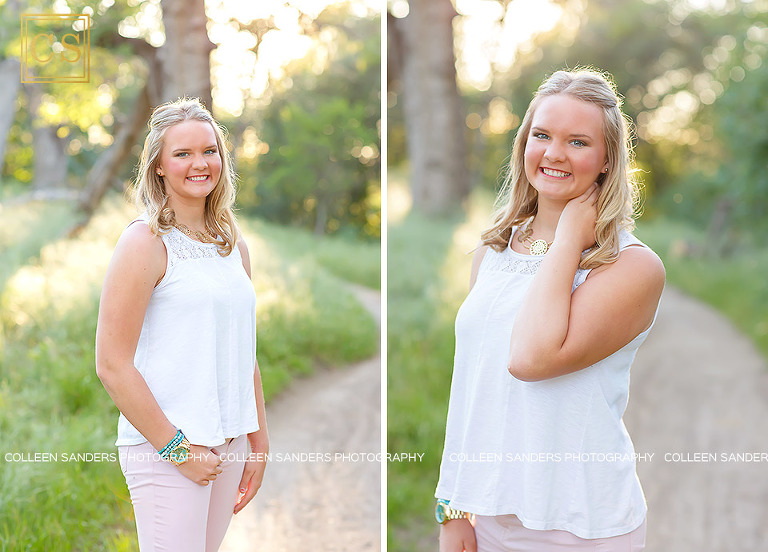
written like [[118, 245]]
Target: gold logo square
[[55, 47]]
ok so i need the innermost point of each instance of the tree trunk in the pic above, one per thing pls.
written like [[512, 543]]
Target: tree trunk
[[321, 216], [434, 115], [50, 166], [104, 171], [186, 53], [10, 69]]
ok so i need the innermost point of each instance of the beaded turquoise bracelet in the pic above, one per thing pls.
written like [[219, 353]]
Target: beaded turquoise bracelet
[[166, 452]]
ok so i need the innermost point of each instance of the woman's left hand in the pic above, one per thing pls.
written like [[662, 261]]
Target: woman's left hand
[[577, 221], [253, 473]]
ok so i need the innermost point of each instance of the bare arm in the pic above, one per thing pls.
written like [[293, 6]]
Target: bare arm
[[556, 332], [457, 535]]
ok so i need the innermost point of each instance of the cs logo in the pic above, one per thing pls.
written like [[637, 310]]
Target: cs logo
[[55, 47]]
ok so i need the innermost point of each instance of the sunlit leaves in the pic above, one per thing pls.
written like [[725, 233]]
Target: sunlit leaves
[[317, 154]]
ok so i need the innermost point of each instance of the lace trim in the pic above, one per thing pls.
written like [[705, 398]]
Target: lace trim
[[506, 262], [181, 249]]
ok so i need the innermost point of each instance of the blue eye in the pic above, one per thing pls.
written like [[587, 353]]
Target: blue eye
[[181, 154], [578, 143], [540, 135], [212, 151]]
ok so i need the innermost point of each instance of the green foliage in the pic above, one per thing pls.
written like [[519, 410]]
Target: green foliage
[[741, 121], [51, 400], [322, 166], [721, 183], [19, 155], [321, 126], [83, 114]]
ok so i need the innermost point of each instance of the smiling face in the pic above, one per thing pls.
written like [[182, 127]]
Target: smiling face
[[565, 151], [189, 163]]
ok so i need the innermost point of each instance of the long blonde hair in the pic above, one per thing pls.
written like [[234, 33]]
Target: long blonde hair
[[517, 201], [150, 189]]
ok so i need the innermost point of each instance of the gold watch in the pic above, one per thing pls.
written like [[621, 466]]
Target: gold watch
[[443, 512], [180, 453]]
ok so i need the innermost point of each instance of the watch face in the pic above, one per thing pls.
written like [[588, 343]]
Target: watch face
[[440, 512], [179, 454]]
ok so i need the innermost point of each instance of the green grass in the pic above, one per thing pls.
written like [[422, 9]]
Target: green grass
[[354, 261], [428, 275], [21, 235], [52, 402]]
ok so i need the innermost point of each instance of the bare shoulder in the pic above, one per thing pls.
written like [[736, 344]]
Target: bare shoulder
[[636, 264], [242, 246], [645, 261], [139, 244], [139, 256]]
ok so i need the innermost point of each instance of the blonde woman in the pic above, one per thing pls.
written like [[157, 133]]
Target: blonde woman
[[536, 454], [175, 343]]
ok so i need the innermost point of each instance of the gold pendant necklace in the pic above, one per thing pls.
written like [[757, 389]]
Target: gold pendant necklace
[[204, 237], [535, 247]]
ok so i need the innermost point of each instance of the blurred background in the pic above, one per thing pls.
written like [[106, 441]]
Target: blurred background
[[297, 84], [693, 74]]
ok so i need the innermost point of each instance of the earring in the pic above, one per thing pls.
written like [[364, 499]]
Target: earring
[[605, 170]]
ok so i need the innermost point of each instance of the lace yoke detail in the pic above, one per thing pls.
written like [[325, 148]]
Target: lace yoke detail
[[504, 261], [510, 262], [181, 249]]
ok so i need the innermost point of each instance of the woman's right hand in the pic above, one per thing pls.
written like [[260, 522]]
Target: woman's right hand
[[457, 535], [203, 465], [577, 221]]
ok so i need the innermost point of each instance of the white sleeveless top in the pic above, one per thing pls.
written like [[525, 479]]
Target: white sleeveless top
[[554, 452], [197, 348]]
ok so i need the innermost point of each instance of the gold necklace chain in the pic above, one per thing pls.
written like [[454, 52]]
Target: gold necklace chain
[[205, 237], [535, 247]]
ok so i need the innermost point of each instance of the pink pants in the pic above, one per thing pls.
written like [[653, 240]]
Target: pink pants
[[507, 534], [173, 513]]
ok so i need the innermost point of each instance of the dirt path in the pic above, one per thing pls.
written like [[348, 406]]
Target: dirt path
[[330, 502], [700, 387]]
